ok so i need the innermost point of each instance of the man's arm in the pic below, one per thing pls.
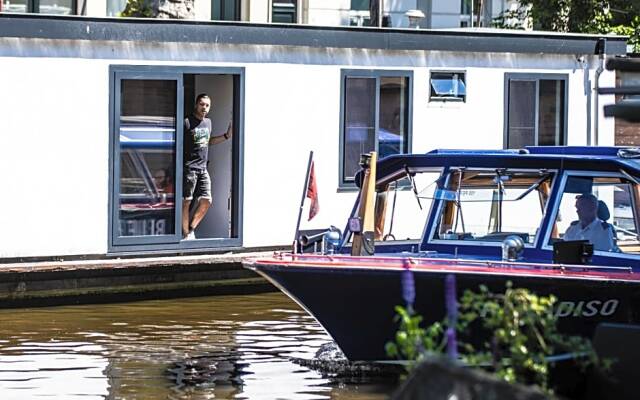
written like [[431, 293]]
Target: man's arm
[[221, 138]]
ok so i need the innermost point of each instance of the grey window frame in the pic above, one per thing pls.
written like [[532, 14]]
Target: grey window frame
[[377, 74], [445, 99], [33, 7], [509, 76], [162, 244]]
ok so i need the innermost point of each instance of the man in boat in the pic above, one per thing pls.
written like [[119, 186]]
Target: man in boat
[[197, 182], [589, 226]]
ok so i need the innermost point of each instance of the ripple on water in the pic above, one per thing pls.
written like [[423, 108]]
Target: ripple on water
[[233, 347]]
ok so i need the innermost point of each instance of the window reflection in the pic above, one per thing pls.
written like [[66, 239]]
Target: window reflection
[[14, 6], [359, 121], [147, 157], [536, 112], [60, 7], [367, 100]]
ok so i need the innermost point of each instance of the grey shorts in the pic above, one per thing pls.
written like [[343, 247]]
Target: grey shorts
[[196, 183]]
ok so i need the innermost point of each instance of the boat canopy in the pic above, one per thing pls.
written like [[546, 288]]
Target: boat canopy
[[540, 157]]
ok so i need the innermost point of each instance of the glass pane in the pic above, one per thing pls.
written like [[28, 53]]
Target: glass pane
[[359, 121], [230, 10], [624, 219], [14, 6], [551, 113], [604, 215], [492, 207], [360, 5], [56, 7], [115, 7], [448, 85], [284, 11], [404, 214], [225, 10], [147, 157], [521, 116], [392, 121]]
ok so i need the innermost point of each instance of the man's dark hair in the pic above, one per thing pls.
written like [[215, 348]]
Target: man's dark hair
[[202, 96]]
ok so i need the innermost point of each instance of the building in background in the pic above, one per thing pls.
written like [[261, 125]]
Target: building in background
[[437, 13]]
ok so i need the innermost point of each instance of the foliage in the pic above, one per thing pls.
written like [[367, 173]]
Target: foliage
[[519, 331], [633, 31], [412, 342], [138, 8], [580, 16]]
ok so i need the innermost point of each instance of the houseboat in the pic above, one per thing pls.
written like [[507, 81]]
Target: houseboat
[[111, 95]]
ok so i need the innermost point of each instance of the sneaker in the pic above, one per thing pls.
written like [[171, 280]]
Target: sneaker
[[190, 236]]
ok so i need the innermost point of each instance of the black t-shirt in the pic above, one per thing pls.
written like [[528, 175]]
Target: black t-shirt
[[196, 142]]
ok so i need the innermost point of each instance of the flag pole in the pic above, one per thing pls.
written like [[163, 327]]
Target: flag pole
[[304, 195]]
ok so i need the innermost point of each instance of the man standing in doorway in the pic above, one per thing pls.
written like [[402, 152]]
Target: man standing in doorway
[[196, 182]]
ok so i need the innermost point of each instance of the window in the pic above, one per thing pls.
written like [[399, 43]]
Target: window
[[63, 7], [225, 10], [480, 8], [535, 110], [360, 5], [400, 214], [115, 7], [148, 143], [448, 86], [489, 205], [611, 201], [359, 14], [284, 11], [375, 117]]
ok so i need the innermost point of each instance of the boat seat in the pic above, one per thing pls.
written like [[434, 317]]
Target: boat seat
[[603, 211], [604, 215]]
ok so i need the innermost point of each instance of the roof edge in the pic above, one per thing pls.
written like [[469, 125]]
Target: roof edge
[[35, 26]]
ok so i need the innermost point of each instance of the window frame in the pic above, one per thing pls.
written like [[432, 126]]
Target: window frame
[[517, 76], [151, 244], [377, 74], [445, 99], [556, 207]]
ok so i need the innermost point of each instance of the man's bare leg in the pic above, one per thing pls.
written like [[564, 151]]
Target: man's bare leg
[[185, 217], [198, 215]]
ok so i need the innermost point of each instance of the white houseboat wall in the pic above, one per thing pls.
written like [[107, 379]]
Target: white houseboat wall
[[92, 108]]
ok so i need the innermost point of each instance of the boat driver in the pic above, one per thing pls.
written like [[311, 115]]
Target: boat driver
[[589, 226]]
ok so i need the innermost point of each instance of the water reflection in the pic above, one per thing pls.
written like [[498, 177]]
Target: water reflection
[[215, 347]]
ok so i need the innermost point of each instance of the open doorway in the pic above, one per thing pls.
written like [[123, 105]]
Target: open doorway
[[222, 89]]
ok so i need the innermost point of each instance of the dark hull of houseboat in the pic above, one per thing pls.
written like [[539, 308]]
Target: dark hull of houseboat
[[356, 304]]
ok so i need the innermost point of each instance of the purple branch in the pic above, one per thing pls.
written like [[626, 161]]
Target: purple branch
[[452, 315], [408, 286]]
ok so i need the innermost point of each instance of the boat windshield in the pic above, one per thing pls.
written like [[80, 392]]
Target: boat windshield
[[402, 209], [489, 205]]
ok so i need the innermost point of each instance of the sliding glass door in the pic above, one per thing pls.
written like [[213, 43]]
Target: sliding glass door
[[147, 122]]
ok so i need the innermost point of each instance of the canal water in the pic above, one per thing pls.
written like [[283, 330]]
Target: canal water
[[223, 347]]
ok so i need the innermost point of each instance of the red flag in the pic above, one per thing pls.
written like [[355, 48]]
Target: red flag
[[312, 193]]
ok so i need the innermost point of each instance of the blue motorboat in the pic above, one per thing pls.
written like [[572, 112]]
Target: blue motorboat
[[556, 220]]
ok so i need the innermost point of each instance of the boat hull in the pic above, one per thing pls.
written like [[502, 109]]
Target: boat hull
[[355, 304]]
